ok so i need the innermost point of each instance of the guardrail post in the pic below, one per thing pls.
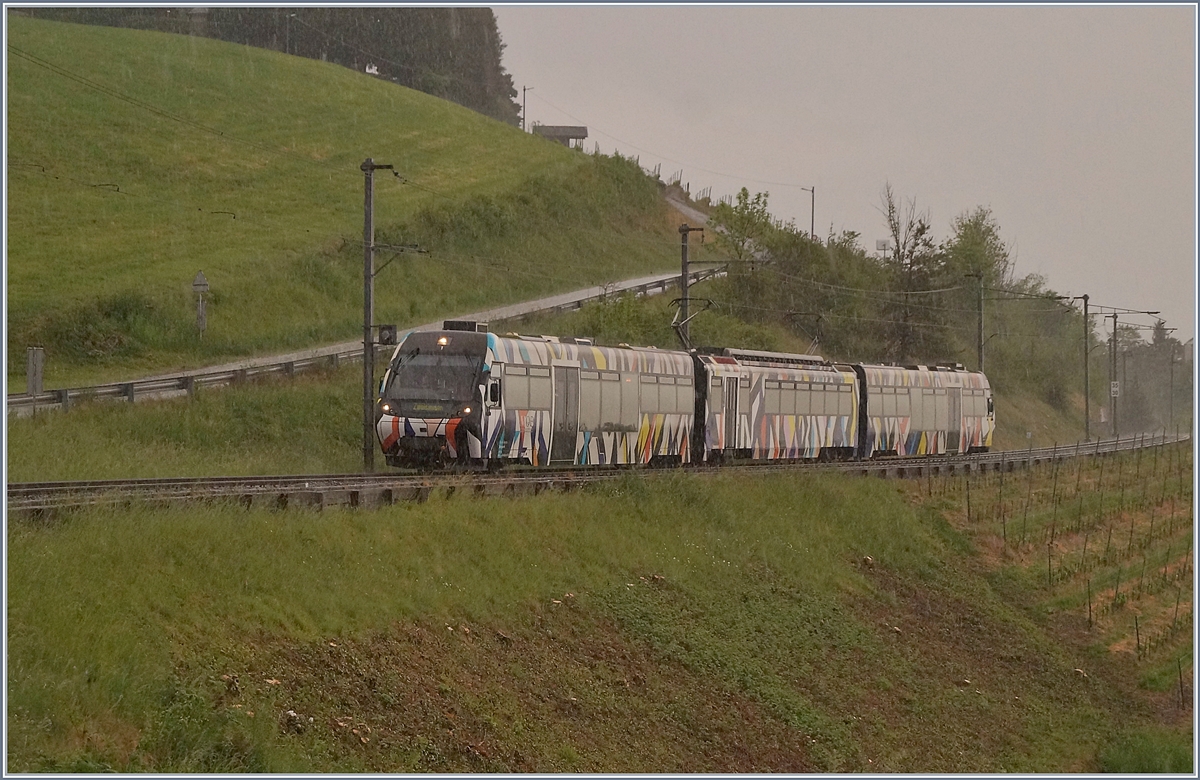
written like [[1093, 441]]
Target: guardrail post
[[64, 398], [239, 376], [189, 383], [127, 391]]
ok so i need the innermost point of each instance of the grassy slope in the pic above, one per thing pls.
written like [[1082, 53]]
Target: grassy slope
[[102, 278], [765, 633], [606, 630]]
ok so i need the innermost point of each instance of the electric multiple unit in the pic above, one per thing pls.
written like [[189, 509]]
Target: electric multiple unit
[[463, 394]]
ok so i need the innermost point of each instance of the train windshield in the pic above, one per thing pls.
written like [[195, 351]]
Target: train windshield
[[428, 379]]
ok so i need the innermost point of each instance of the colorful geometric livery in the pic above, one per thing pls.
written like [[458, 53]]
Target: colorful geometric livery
[[918, 410], [468, 395], [536, 400], [758, 407]]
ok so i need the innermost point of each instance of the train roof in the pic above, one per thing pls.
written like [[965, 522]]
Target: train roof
[[757, 357]]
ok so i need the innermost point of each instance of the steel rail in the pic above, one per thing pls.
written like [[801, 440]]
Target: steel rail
[[370, 489]]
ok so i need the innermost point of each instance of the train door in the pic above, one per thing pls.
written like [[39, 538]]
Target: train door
[[566, 414], [954, 434], [731, 412]]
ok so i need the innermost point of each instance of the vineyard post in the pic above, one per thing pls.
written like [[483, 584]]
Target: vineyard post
[[1100, 487], [1079, 495], [1028, 499], [1049, 565], [1121, 484], [1137, 477], [1156, 449], [968, 495], [1089, 594], [1180, 459], [1137, 634], [1000, 501], [1179, 666], [1054, 496], [1163, 498]]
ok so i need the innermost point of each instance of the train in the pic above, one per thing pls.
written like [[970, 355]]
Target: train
[[464, 395]]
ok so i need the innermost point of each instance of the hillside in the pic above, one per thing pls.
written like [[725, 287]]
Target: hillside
[[452, 53], [138, 158], [657, 623]]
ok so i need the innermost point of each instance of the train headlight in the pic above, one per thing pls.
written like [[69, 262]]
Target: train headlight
[[443, 341], [466, 410], [386, 407]]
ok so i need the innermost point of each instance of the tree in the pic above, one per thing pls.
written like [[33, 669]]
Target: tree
[[915, 264], [976, 248], [741, 228]]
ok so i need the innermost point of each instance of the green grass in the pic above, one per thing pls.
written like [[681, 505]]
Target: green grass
[[312, 424], [755, 599], [102, 278], [766, 602], [1149, 751]]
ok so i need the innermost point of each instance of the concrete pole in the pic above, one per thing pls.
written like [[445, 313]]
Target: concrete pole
[[979, 328], [812, 214], [1087, 385], [368, 169], [1171, 391], [1112, 375], [683, 282]]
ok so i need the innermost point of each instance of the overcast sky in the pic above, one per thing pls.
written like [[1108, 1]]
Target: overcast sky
[[1075, 125]]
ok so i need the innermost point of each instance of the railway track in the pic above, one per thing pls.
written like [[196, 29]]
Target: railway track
[[318, 491]]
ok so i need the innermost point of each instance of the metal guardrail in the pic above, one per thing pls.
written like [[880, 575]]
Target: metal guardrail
[[165, 387]]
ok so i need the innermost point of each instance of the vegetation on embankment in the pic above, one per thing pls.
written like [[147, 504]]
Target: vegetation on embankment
[[244, 164], [313, 424], [921, 301], [655, 623]]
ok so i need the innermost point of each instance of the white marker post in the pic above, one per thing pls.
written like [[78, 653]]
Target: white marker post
[[200, 286]]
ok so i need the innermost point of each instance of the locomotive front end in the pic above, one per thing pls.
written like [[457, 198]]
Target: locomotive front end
[[431, 399]]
